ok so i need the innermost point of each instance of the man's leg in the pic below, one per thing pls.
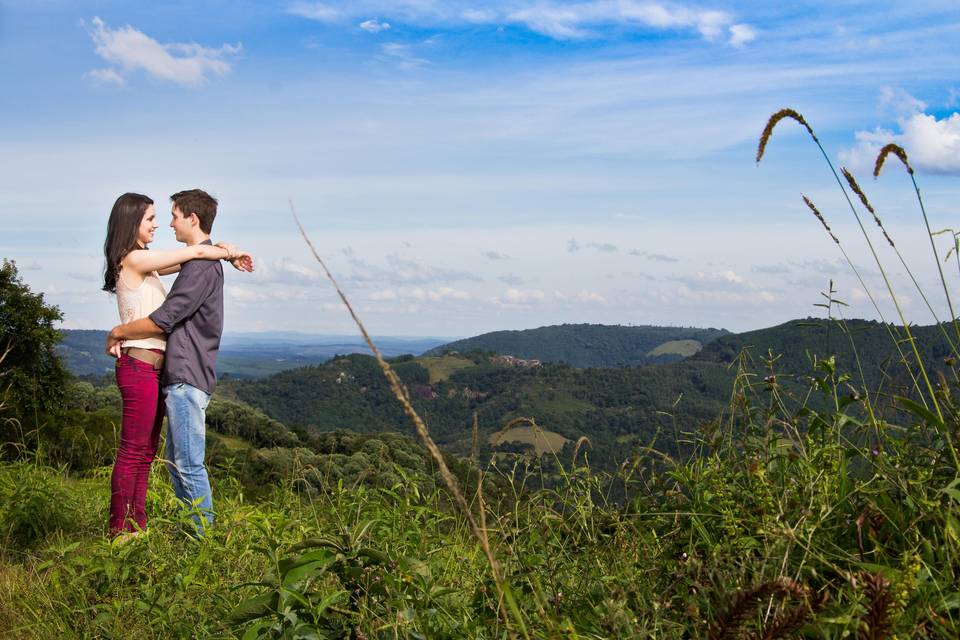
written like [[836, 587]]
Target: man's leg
[[186, 428]]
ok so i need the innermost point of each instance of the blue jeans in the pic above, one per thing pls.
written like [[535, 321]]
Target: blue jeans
[[186, 444]]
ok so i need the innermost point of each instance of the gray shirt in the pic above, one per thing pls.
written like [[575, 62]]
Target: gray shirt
[[192, 318]]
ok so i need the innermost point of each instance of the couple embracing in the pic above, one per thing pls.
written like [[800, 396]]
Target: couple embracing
[[166, 348]]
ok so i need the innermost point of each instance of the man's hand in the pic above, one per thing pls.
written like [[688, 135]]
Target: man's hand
[[113, 343], [243, 262]]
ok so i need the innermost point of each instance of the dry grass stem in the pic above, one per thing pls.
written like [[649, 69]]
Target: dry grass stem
[[400, 392], [582, 440], [819, 216], [866, 203], [896, 150], [475, 441], [772, 122]]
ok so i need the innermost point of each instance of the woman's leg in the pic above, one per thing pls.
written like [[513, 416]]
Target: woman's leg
[[146, 460], [139, 388]]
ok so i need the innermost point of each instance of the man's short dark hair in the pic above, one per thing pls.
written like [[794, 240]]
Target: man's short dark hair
[[199, 202]]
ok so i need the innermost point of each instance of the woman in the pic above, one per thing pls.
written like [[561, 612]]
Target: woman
[[132, 272]]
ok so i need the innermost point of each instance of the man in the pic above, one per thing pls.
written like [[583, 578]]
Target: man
[[192, 318]]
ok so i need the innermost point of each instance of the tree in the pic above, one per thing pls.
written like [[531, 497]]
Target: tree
[[31, 374]]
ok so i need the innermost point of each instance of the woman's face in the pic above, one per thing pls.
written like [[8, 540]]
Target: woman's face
[[148, 226]]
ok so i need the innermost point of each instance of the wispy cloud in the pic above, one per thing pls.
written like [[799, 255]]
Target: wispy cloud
[[401, 271], [105, 76], [495, 255], [520, 297], [318, 11], [553, 19], [511, 279], [655, 257], [772, 269], [129, 49], [604, 247], [403, 56]]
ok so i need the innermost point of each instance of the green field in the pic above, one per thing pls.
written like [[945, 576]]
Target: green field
[[544, 442], [441, 367], [685, 348]]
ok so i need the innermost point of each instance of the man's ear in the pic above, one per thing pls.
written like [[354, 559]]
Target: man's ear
[[194, 220]]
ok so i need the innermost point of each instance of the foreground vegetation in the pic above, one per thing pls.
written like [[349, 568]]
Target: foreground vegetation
[[783, 522]]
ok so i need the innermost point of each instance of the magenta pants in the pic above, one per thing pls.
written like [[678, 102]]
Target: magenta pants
[[139, 385]]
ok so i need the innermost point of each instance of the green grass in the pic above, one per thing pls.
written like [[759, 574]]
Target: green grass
[[781, 511], [442, 367], [685, 348], [544, 442]]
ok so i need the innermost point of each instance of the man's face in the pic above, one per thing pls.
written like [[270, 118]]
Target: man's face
[[181, 225]]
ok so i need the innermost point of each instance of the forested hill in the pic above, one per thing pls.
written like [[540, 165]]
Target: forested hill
[[857, 345], [592, 345], [615, 407]]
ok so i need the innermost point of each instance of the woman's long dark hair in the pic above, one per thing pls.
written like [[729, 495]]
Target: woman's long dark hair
[[122, 230]]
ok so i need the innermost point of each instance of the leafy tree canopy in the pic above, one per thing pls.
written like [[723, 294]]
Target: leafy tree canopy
[[30, 373]]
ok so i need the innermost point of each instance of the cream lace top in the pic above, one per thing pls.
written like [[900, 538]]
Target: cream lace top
[[139, 302]]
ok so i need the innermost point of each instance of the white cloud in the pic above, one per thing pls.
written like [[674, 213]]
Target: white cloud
[[403, 56], [604, 247], [315, 11], [589, 296], [932, 145], [374, 26], [105, 76], [575, 21], [186, 64], [522, 296], [741, 34], [902, 103], [403, 271], [386, 294], [437, 295], [284, 271], [247, 295], [554, 19]]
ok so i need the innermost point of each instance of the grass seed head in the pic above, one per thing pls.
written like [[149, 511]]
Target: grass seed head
[[816, 212], [866, 203], [772, 122], [898, 151]]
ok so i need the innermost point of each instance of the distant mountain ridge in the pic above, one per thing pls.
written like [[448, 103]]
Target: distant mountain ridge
[[592, 345], [244, 355]]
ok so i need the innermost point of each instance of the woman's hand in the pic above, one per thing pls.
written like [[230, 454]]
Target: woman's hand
[[232, 252]]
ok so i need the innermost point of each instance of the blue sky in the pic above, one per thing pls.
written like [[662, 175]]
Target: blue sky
[[467, 167]]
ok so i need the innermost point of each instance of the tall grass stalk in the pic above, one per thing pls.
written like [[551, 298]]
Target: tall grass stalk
[[896, 339], [509, 608], [768, 130], [902, 155], [869, 207]]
